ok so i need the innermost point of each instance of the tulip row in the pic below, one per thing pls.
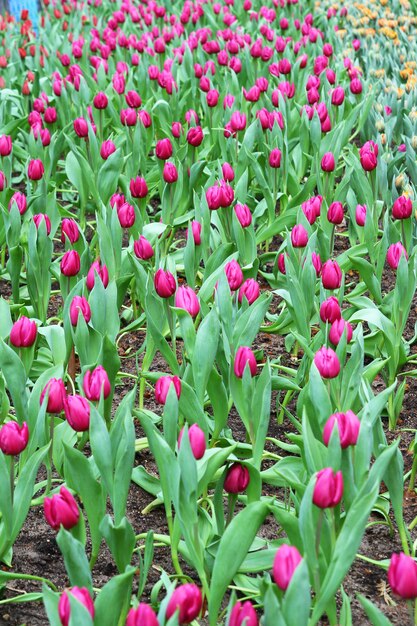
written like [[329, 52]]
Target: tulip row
[[194, 178]]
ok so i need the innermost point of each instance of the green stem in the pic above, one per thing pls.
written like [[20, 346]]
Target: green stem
[[413, 473], [50, 454], [174, 548], [231, 503], [12, 467]]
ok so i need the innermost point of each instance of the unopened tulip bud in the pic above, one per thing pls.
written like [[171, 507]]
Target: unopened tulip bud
[[143, 248], [327, 363], [95, 383], [250, 290], [237, 478], [337, 329], [64, 605], [243, 214], [228, 172], [70, 230], [275, 158], [402, 576], [138, 187], [35, 169], [23, 333], [328, 163], [81, 127], [286, 561], [143, 615], [335, 213], [360, 214], [126, 215], [70, 263], [187, 602], [195, 136], [348, 425], [13, 438], [328, 490], [331, 275], [55, 389], [164, 283], [394, 254], [244, 356], [163, 385], [42, 217], [234, 274], [186, 299], [61, 509], [197, 440], [196, 230], [97, 270], [402, 208], [170, 173], [299, 236], [5, 145], [107, 148], [79, 305], [243, 614], [330, 310], [77, 413], [100, 100], [163, 149]]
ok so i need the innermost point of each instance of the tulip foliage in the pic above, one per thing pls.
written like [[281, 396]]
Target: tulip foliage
[[208, 271]]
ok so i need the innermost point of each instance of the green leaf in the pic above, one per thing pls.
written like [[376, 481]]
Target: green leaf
[[15, 376], [375, 616], [113, 601], [76, 562], [120, 539], [232, 551]]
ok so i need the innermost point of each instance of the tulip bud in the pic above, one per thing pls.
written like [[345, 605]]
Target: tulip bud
[[143, 248], [96, 382], [163, 149], [348, 426], [234, 274], [275, 158], [133, 99], [3, 181], [330, 310], [195, 136], [243, 214], [286, 561], [187, 601], [228, 172], [70, 263], [335, 213], [356, 86], [328, 490], [281, 262], [138, 187], [56, 395], [196, 230], [328, 163], [126, 215], [69, 229], [35, 169], [244, 356], [42, 217], [360, 214], [61, 509], [5, 145], [162, 388], [77, 413], [331, 275], [143, 615], [176, 129], [164, 283], [23, 333], [368, 155], [186, 299], [13, 438], [78, 305], [81, 127], [402, 208], [100, 100], [338, 96], [394, 254], [237, 478], [299, 236], [327, 362], [197, 440], [249, 290], [243, 614], [337, 329], [64, 606], [170, 173], [97, 270], [107, 148], [402, 576]]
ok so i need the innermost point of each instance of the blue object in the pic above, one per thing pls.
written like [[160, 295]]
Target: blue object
[[17, 6]]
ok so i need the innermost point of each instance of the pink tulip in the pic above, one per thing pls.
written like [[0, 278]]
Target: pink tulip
[[394, 254], [402, 576], [335, 213], [187, 602], [249, 290], [299, 236], [331, 275], [243, 215], [275, 158], [234, 274], [327, 363], [197, 440], [196, 230], [35, 169], [69, 230], [164, 283], [368, 155], [286, 561], [138, 187], [13, 438], [348, 426], [70, 263], [402, 208], [99, 270], [163, 149], [64, 606], [243, 614], [106, 149], [95, 383], [195, 136], [81, 127], [338, 96], [77, 412], [244, 356], [100, 100], [187, 299], [360, 214], [55, 389], [228, 172], [330, 310], [61, 509], [170, 174], [126, 215], [143, 615], [79, 305], [143, 248], [337, 329], [163, 385], [23, 333], [328, 490], [5, 145], [328, 162], [237, 478]]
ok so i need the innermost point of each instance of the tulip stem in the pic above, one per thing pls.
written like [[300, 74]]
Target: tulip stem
[[231, 503], [50, 455], [71, 371], [12, 467], [174, 548], [413, 472], [332, 240]]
